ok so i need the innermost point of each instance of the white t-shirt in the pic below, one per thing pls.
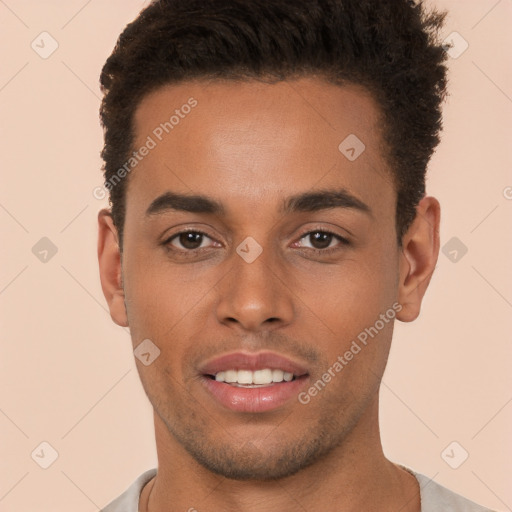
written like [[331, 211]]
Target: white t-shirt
[[434, 497]]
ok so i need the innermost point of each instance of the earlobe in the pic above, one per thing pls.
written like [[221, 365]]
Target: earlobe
[[418, 258], [109, 259]]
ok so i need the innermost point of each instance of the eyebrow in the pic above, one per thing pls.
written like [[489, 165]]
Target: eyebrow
[[185, 203], [305, 202], [323, 200]]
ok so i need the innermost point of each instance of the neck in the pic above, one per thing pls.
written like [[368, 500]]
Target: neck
[[355, 476]]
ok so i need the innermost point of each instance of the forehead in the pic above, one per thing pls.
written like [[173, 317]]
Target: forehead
[[249, 139]]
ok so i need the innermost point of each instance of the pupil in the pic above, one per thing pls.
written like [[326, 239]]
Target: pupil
[[191, 240], [321, 240]]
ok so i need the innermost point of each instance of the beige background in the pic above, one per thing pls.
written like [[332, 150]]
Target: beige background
[[67, 372]]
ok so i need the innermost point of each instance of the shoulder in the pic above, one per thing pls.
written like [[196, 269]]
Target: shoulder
[[436, 498], [129, 500]]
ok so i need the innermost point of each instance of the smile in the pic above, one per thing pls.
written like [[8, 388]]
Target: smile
[[253, 382], [248, 378]]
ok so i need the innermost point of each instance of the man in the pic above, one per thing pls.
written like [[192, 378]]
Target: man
[[266, 167]]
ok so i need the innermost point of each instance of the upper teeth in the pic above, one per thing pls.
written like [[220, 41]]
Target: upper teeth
[[266, 376]]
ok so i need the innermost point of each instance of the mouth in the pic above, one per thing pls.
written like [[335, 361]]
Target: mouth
[[253, 379], [245, 382]]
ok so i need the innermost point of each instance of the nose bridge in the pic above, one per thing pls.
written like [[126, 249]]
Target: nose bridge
[[252, 293]]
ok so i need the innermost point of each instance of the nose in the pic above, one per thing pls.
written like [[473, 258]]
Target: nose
[[254, 296]]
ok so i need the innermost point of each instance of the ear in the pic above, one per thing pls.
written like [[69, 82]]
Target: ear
[[109, 258], [420, 249]]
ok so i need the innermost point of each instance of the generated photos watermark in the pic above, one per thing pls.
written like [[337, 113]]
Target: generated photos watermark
[[355, 348], [157, 135]]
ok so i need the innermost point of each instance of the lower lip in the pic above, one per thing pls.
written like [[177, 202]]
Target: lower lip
[[262, 399]]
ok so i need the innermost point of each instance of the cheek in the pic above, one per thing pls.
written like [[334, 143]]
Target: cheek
[[164, 302], [352, 295]]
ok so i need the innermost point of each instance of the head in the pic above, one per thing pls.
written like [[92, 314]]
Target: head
[[306, 125]]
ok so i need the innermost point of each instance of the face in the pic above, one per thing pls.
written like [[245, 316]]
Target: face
[[285, 261]]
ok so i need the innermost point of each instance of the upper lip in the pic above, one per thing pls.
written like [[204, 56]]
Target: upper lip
[[253, 362]]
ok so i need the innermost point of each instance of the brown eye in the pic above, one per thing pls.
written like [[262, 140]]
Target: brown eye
[[320, 239], [190, 240], [187, 240]]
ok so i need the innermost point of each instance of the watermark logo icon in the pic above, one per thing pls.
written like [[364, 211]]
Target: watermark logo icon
[[44, 455], [44, 250], [249, 249], [454, 250], [44, 45], [146, 352], [455, 45], [454, 455], [352, 147], [99, 193]]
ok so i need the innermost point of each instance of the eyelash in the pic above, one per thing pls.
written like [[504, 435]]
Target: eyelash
[[343, 241]]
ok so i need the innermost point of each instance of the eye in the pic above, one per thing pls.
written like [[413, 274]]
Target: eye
[[188, 240], [321, 240]]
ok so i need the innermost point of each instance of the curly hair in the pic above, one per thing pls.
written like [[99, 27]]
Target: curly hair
[[391, 47]]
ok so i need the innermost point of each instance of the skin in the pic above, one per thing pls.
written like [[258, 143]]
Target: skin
[[250, 145]]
